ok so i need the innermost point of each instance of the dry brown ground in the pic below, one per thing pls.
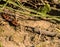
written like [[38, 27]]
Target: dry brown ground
[[32, 32]]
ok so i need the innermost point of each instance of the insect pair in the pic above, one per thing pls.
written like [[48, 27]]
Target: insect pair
[[8, 18]]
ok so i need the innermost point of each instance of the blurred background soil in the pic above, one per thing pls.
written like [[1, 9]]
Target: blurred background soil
[[31, 32]]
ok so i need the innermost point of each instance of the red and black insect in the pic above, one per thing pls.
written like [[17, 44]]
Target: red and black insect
[[9, 19]]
